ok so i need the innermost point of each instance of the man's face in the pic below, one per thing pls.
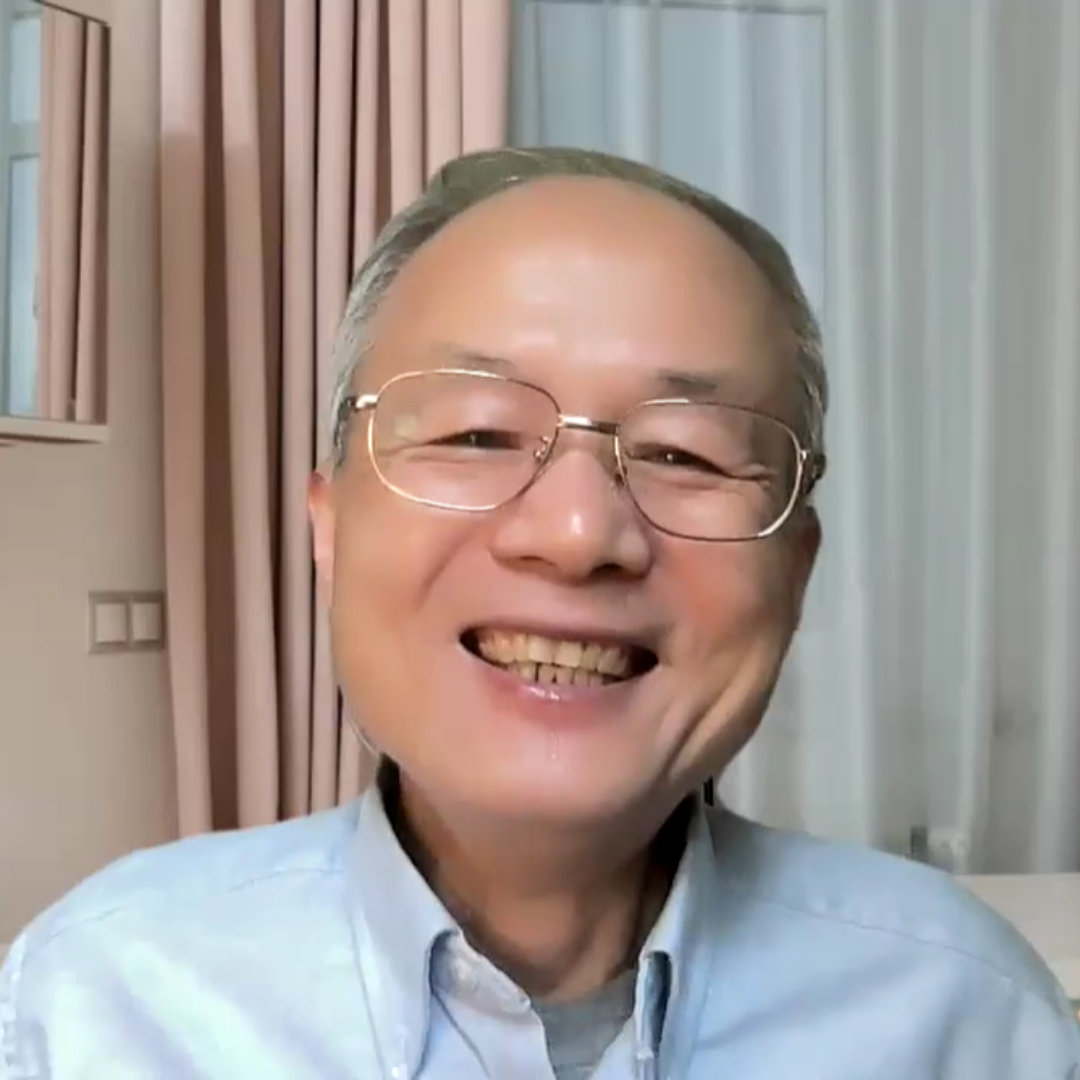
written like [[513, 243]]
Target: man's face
[[588, 289]]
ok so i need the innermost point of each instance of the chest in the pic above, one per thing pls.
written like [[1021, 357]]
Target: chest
[[330, 1032]]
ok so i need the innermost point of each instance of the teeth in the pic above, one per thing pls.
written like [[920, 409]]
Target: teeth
[[569, 653], [542, 650], [613, 662], [552, 675], [502, 650], [548, 660]]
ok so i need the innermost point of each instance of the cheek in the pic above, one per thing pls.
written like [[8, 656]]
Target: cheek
[[732, 597], [390, 555], [735, 617]]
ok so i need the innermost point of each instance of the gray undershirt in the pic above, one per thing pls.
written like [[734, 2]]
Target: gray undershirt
[[578, 1032]]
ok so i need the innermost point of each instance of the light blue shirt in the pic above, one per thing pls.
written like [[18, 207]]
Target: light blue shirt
[[313, 950]]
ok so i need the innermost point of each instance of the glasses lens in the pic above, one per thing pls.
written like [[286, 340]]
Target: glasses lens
[[463, 440], [711, 472]]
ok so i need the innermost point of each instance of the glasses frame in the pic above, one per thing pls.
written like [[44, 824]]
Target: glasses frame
[[810, 465]]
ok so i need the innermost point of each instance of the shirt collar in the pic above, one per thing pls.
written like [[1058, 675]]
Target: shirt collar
[[399, 923], [675, 962]]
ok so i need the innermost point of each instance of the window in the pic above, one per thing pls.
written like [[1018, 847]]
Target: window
[[20, 105]]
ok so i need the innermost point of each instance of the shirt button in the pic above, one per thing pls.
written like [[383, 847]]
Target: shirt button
[[516, 1004], [462, 974]]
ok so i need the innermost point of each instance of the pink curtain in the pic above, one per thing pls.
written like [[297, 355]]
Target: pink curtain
[[289, 131], [71, 218]]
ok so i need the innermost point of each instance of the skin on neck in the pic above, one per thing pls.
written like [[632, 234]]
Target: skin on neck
[[562, 914]]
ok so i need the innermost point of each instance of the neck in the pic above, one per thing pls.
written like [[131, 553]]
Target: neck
[[560, 914]]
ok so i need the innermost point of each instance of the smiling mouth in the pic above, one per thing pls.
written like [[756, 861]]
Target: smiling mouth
[[558, 661]]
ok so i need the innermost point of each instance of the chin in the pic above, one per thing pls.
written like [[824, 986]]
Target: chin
[[556, 793]]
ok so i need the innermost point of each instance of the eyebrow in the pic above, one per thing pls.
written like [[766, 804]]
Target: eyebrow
[[664, 382], [473, 360], [696, 385]]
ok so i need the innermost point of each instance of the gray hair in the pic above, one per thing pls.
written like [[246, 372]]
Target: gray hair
[[471, 179]]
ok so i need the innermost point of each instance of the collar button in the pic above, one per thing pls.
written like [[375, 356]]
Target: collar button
[[462, 974]]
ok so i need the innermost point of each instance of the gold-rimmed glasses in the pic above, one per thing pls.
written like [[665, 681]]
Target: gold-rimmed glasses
[[473, 441]]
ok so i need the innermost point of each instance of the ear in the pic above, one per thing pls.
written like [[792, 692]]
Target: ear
[[805, 540], [322, 510]]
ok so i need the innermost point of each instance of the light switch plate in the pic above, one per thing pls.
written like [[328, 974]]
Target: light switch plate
[[146, 620], [126, 622], [109, 622]]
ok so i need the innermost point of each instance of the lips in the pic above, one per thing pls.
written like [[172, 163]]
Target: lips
[[563, 661]]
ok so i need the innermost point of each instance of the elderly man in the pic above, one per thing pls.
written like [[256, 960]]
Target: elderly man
[[564, 541]]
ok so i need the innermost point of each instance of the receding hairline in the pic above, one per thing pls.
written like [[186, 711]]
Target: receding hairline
[[528, 185], [475, 179], [680, 209], [513, 218]]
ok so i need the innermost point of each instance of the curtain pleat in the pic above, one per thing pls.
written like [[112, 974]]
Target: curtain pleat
[[71, 280], [297, 421], [289, 131], [184, 244]]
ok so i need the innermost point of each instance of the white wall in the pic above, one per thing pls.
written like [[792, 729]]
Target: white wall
[[86, 761]]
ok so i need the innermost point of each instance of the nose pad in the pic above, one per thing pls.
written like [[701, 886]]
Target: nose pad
[[605, 453], [542, 453]]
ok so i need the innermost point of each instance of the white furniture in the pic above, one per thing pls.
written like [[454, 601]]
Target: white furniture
[[1045, 908]]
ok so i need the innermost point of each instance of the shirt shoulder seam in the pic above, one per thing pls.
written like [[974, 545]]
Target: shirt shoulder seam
[[91, 918], [911, 938]]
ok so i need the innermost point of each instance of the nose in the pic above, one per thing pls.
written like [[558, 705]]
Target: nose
[[576, 522]]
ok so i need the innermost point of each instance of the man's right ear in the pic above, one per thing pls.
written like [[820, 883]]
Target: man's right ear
[[322, 511]]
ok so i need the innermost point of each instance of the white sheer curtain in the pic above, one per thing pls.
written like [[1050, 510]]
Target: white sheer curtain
[[921, 160]]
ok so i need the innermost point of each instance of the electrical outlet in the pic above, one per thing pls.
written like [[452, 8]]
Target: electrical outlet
[[949, 849]]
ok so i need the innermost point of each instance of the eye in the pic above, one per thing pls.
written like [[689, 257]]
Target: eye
[[481, 439], [672, 457]]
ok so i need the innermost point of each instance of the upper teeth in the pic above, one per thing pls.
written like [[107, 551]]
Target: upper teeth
[[510, 648]]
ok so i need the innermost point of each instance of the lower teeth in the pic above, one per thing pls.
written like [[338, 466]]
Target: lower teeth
[[554, 675]]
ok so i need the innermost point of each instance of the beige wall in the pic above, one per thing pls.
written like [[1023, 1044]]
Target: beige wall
[[86, 764]]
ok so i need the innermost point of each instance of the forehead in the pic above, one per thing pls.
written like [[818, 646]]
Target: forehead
[[592, 286]]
